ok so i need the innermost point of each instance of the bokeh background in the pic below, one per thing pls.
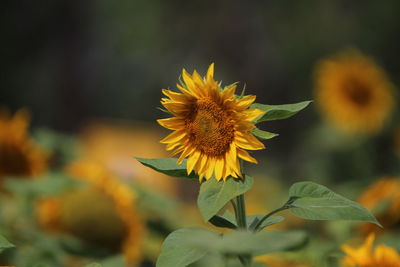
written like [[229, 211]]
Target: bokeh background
[[90, 73]]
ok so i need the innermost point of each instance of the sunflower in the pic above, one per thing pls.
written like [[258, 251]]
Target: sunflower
[[383, 199], [19, 154], [211, 126], [353, 93], [113, 221], [366, 256]]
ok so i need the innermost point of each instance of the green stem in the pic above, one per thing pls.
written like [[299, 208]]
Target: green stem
[[241, 212], [256, 228]]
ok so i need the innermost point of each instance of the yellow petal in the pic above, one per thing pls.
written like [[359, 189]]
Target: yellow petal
[[229, 92], [174, 137], [246, 156], [219, 167], [173, 123], [247, 141], [245, 102], [252, 114], [210, 73], [187, 152], [188, 80], [210, 167], [197, 79], [192, 160], [177, 97]]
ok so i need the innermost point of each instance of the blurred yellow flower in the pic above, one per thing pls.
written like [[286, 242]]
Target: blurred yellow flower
[[353, 93], [113, 145], [276, 261], [211, 126], [366, 256], [103, 212], [383, 199], [19, 154]]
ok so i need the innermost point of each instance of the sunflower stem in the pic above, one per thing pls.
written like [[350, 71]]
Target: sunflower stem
[[241, 212]]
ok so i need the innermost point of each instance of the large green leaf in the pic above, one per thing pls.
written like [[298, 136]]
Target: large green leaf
[[243, 242], [260, 243], [263, 134], [169, 167], [5, 244], [312, 201], [177, 252], [215, 194], [279, 112]]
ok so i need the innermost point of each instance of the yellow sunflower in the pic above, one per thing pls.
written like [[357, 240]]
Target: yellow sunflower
[[19, 154], [353, 93], [103, 213], [383, 199], [211, 126], [366, 256]]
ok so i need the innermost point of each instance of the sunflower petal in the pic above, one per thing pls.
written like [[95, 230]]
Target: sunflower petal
[[210, 73], [174, 137], [248, 141], [246, 156], [245, 102], [173, 123], [192, 160]]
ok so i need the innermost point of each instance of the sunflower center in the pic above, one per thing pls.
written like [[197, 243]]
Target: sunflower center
[[12, 160], [210, 128], [358, 92]]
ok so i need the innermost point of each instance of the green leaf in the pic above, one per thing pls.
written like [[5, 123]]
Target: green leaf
[[93, 264], [252, 221], [260, 243], [4, 244], [263, 134], [312, 201], [169, 167], [215, 194], [279, 112], [176, 252]]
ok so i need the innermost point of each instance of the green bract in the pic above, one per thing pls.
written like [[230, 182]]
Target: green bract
[[168, 166]]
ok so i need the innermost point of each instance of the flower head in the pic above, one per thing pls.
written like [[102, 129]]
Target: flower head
[[103, 212], [353, 93], [366, 256], [211, 126], [19, 154], [383, 199]]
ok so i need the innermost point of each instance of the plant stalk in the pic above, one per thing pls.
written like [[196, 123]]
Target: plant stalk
[[256, 228]]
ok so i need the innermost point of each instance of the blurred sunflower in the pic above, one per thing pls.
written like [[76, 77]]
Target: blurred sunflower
[[211, 126], [102, 213], [383, 199], [366, 256], [19, 154], [353, 93], [113, 144]]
